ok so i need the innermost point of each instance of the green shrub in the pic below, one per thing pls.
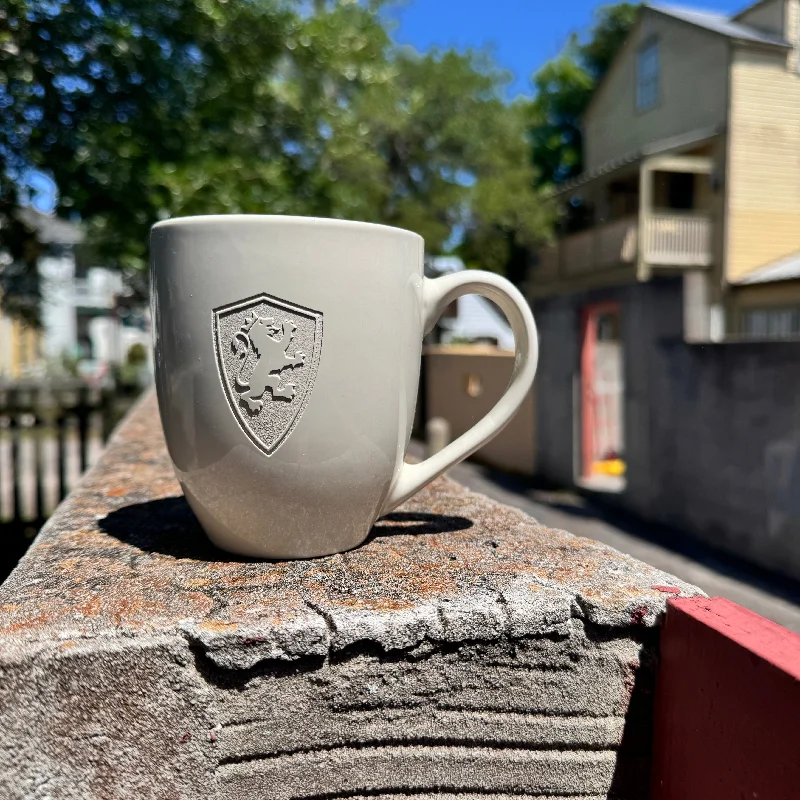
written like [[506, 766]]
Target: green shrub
[[137, 355]]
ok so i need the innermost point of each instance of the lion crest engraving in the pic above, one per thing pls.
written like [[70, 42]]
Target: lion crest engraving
[[268, 353], [261, 334]]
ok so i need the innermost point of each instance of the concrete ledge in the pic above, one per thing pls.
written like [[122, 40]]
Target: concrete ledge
[[464, 649]]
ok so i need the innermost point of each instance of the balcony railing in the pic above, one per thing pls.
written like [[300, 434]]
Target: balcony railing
[[670, 239], [682, 240], [93, 294]]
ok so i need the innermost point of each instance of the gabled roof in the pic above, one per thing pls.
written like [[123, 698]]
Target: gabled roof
[[710, 21], [477, 319], [719, 23], [748, 8], [784, 269], [443, 265]]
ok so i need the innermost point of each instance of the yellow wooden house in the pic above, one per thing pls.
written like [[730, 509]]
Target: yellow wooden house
[[20, 347], [692, 169]]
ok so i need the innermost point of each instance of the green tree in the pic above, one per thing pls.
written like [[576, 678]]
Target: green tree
[[564, 87], [143, 109], [436, 149], [507, 216], [612, 26], [104, 95]]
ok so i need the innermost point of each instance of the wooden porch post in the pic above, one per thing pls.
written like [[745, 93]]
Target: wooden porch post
[[643, 270]]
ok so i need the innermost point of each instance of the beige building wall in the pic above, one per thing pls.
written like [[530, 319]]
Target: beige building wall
[[764, 161], [693, 91], [6, 346], [768, 15], [463, 382]]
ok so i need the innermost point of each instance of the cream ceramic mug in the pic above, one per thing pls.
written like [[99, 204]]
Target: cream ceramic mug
[[287, 354]]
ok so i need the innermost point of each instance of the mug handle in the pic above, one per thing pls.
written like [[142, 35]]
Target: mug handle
[[437, 294]]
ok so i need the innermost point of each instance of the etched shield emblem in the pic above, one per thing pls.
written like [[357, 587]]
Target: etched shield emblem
[[268, 353]]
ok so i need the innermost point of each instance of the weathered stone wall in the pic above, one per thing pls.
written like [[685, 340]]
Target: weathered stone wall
[[542, 715], [463, 650], [712, 431]]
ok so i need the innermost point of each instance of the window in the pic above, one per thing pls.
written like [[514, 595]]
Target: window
[[771, 323], [680, 190], [647, 76]]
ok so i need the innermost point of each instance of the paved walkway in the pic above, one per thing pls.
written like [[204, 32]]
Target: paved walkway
[[673, 552]]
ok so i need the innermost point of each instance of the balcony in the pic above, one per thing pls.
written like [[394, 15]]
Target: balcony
[[670, 239], [661, 206], [677, 239]]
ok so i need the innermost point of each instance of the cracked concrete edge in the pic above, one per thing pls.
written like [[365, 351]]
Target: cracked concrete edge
[[512, 577], [524, 607], [123, 718], [140, 694], [513, 612], [38, 653], [521, 608]]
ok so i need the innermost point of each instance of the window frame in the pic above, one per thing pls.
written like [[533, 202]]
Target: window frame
[[646, 102], [770, 323]]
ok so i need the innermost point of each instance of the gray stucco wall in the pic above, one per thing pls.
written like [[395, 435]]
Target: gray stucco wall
[[712, 431], [559, 354]]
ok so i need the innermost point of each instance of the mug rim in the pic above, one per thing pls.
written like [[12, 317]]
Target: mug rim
[[199, 219]]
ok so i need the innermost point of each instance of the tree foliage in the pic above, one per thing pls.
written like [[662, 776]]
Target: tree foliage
[[564, 87], [437, 150], [143, 109]]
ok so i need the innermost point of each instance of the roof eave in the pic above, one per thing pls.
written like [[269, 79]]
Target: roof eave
[[660, 147], [760, 44], [730, 36]]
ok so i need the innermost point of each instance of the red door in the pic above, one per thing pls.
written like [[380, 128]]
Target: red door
[[602, 392]]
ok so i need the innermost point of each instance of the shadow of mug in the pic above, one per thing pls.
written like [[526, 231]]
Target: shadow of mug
[[169, 527]]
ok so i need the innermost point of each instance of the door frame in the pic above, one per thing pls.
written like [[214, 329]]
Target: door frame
[[589, 316]]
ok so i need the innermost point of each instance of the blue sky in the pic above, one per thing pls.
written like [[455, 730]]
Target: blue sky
[[522, 33]]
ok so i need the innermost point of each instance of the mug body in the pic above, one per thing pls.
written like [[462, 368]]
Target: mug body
[[287, 355]]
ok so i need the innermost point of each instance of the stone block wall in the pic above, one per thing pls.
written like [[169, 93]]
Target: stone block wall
[[712, 431]]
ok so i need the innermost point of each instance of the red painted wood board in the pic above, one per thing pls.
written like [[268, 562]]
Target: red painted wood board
[[727, 713]]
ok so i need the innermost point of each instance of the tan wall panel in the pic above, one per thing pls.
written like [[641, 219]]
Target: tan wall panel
[[758, 238], [781, 294], [448, 373], [6, 346]]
